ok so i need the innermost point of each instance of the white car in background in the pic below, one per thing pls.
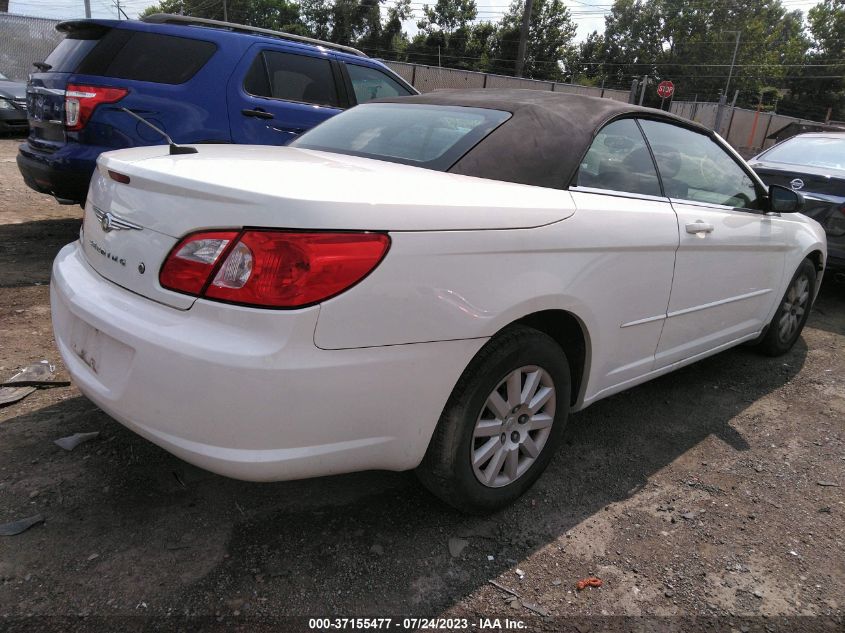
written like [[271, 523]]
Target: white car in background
[[430, 283]]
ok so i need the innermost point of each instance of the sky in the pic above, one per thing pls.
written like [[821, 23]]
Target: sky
[[587, 14]]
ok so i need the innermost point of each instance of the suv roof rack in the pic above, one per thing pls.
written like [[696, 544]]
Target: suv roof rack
[[169, 18]]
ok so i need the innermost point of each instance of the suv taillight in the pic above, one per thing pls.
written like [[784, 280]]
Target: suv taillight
[[80, 102], [271, 269]]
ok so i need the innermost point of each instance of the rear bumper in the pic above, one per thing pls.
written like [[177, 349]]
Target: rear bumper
[[13, 121], [245, 393], [56, 174]]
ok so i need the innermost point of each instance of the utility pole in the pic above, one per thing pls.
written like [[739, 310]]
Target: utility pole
[[733, 61], [632, 96], [645, 85], [87, 8], [523, 37], [225, 12], [723, 98]]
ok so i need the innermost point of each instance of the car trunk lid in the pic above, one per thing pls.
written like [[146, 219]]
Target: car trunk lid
[[249, 185], [143, 200]]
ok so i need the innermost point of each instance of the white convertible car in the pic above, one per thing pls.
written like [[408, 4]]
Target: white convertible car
[[430, 283]]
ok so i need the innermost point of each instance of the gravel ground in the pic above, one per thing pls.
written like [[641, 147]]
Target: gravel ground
[[711, 498]]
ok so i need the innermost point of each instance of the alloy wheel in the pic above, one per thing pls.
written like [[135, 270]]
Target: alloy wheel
[[513, 426], [793, 308]]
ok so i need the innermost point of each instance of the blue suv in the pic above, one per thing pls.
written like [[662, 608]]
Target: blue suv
[[200, 81]]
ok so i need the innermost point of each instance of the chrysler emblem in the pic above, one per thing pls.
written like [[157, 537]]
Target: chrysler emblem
[[111, 222], [797, 183]]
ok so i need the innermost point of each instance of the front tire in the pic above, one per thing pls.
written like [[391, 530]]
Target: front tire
[[792, 313], [502, 423]]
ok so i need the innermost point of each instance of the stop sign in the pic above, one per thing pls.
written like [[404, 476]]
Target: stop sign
[[665, 89]]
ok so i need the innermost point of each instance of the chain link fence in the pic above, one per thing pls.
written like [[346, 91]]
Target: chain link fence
[[24, 40], [427, 78]]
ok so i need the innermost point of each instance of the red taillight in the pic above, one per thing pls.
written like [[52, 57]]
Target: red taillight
[[190, 264], [273, 269], [80, 102]]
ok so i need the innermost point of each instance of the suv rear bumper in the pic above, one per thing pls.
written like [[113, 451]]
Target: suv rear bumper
[[55, 174]]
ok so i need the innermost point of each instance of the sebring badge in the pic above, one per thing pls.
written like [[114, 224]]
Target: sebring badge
[[111, 222], [797, 183]]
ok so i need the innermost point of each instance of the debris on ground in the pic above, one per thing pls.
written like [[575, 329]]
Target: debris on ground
[[21, 525], [830, 484], [457, 545], [536, 609], [503, 588], [592, 581], [72, 441], [27, 380]]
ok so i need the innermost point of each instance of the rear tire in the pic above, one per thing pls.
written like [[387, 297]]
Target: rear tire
[[792, 313], [495, 437]]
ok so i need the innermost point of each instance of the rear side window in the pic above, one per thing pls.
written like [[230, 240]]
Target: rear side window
[[430, 136], [277, 75], [142, 56], [70, 52], [369, 83], [619, 160]]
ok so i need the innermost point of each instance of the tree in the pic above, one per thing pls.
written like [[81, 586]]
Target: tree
[[819, 85], [445, 32], [279, 15], [550, 52], [693, 44], [387, 39]]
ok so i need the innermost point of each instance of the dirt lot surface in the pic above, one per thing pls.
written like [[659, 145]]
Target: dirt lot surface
[[716, 493]]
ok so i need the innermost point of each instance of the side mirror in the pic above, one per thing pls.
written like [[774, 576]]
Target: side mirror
[[784, 200]]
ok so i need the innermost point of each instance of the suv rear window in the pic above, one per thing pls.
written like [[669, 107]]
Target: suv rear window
[[369, 83], [430, 136], [140, 56], [291, 77]]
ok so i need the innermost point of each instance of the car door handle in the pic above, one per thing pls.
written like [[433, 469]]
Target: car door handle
[[258, 113], [699, 227]]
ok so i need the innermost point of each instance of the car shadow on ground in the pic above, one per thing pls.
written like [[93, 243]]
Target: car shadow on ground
[[196, 542], [829, 306], [29, 248]]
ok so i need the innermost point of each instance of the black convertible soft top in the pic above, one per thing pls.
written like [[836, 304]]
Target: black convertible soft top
[[546, 137]]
